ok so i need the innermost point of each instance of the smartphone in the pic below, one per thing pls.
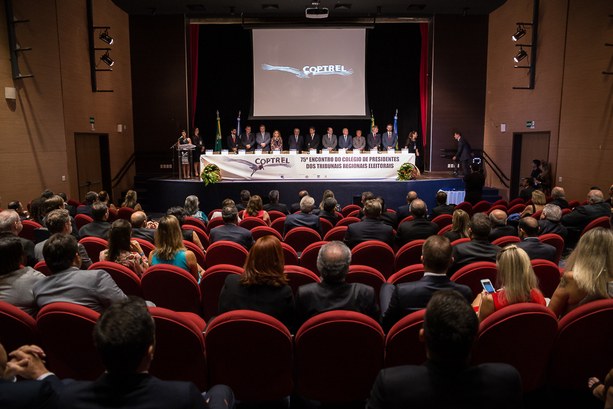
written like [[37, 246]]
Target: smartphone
[[487, 285]]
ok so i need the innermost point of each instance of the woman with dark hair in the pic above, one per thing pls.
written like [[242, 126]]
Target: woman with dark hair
[[122, 250], [255, 208], [169, 247], [263, 285], [104, 197], [414, 146]]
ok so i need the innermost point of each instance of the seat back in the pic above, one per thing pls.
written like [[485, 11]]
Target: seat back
[[408, 254], [354, 213], [211, 283], [518, 208], [251, 222], [460, 241], [375, 254], [125, 213], [443, 220], [27, 232], [202, 234], [275, 214], [194, 221], [506, 240], [481, 207], [466, 206], [336, 233], [548, 275], [18, 327], [252, 353], [42, 267], [583, 345], [210, 215], [349, 208], [366, 275], [66, 335], [326, 225], [308, 258], [179, 348], [127, 280], [346, 221], [216, 222], [299, 276], [556, 241], [472, 274], [500, 202], [261, 231], [406, 219], [279, 225], [445, 229], [93, 246], [147, 246], [402, 344], [517, 200], [171, 287], [300, 237], [343, 371], [225, 252], [520, 335], [200, 257], [602, 221], [497, 207], [408, 274], [82, 219]]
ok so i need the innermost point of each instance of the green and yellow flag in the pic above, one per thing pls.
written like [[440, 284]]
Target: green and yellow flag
[[218, 136], [372, 120]]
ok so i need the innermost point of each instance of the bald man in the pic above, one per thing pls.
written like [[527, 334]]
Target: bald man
[[498, 218], [403, 211], [528, 232], [580, 217]]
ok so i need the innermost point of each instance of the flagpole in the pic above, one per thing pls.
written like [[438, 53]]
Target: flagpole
[[218, 136], [396, 126]]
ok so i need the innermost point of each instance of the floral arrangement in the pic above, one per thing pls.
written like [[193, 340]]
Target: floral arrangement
[[408, 171], [210, 174]]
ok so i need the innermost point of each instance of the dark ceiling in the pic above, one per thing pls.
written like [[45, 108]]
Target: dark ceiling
[[340, 9]]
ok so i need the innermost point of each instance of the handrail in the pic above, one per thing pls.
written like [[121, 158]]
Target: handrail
[[497, 171], [123, 171]]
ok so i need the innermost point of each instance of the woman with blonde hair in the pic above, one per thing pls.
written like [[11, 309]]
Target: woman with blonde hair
[[263, 285], [131, 201], [538, 203], [516, 281], [589, 272], [459, 226], [255, 208], [169, 248]]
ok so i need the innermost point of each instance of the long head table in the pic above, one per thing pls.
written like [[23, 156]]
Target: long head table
[[317, 166]]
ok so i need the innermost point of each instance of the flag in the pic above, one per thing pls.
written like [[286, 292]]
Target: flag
[[372, 120], [396, 126], [238, 123], [218, 136]]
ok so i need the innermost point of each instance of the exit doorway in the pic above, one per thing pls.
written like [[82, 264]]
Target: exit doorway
[[93, 162], [527, 146]]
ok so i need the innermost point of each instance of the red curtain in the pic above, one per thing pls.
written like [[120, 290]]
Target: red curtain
[[423, 81], [194, 30]]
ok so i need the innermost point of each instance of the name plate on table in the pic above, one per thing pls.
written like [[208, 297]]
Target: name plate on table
[[293, 152], [209, 151], [312, 151], [342, 151], [374, 151], [241, 151], [404, 151], [391, 150], [224, 151], [258, 151], [356, 152], [325, 151]]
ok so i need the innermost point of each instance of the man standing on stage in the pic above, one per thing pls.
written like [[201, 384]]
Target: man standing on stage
[[329, 140], [247, 140], [374, 139], [389, 139], [345, 140], [233, 141], [312, 140], [263, 139], [296, 141], [464, 153], [358, 142]]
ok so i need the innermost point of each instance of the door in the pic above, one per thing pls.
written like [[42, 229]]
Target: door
[[91, 152], [527, 147]]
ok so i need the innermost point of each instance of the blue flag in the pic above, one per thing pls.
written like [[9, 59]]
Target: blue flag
[[396, 126], [238, 123]]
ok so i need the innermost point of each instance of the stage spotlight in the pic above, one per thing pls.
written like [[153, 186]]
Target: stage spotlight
[[106, 58], [104, 36], [520, 55], [519, 33]]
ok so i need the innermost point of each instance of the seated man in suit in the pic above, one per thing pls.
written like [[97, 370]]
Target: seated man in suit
[[418, 228], [100, 226], [86, 208], [478, 249], [329, 211], [441, 205], [141, 228], [345, 141], [529, 232], [370, 228], [93, 289], [410, 297], [581, 216], [403, 211], [273, 203], [550, 221], [57, 202], [11, 225], [230, 230], [304, 218], [447, 380], [124, 336], [558, 197], [500, 228], [333, 293]]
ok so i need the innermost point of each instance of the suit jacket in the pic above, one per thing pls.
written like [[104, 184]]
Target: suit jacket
[[442, 209], [433, 385], [277, 302], [410, 297], [582, 215], [144, 233], [464, 150], [373, 141], [134, 391], [96, 229], [233, 144], [30, 394], [247, 139], [538, 250], [312, 142], [280, 207], [387, 141], [301, 219], [502, 231], [86, 261], [293, 144], [415, 230], [469, 252], [547, 226], [389, 218], [16, 289], [369, 229], [232, 232], [345, 144], [94, 289], [263, 138], [331, 217], [315, 298], [28, 249], [561, 203], [402, 212], [329, 141], [358, 142]]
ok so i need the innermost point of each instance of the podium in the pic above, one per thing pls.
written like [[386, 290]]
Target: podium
[[185, 152]]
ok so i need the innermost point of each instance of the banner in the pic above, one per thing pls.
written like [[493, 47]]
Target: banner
[[334, 166]]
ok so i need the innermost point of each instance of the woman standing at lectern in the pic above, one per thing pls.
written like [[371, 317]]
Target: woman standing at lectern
[[197, 140], [185, 140]]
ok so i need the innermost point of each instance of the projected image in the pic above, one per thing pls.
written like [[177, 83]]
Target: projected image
[[309, 72]]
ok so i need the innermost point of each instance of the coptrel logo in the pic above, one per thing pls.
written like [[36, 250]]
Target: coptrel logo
[[260, 163], [309, 71]]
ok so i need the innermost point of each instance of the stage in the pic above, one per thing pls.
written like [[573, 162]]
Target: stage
[[162, 193]]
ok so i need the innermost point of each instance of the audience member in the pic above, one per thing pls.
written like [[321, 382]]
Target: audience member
[[263, 285], [131, 200], [59, 221], [18, 207], [610, 196], [459, 226], [589, 271], [328, 210], [603, 391], [417, 229], [386, 216], [526, 187], [187, 233], [94, 289], [104, 197], [550, 221], [192, 209], [224, 203], [441, 205], [365, 196], [530, 243], [36, 210], [410, 297], [256, 209], [86, 207], [516, 283], [304, 218], [16, 281], [230, 230], [447, 380], [296, 206], [326, 194], [478, 248], [10, 225], [403, 211], [100, 226], [141, 228], [124, 251], [558, 197], [370, 228], [71, 209], [273, 203], [473, 184], [56, 202], [500, 228], [244, 196], [580, 217], [334, 293], [538, 203]]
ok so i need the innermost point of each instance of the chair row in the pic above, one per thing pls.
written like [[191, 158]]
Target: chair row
[[334, 357]]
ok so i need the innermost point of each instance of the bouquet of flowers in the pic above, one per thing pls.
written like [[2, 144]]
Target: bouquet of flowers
[[408, 171], [210, 174]]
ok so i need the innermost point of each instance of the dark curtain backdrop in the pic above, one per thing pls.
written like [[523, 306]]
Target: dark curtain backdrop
[[225, 82]]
